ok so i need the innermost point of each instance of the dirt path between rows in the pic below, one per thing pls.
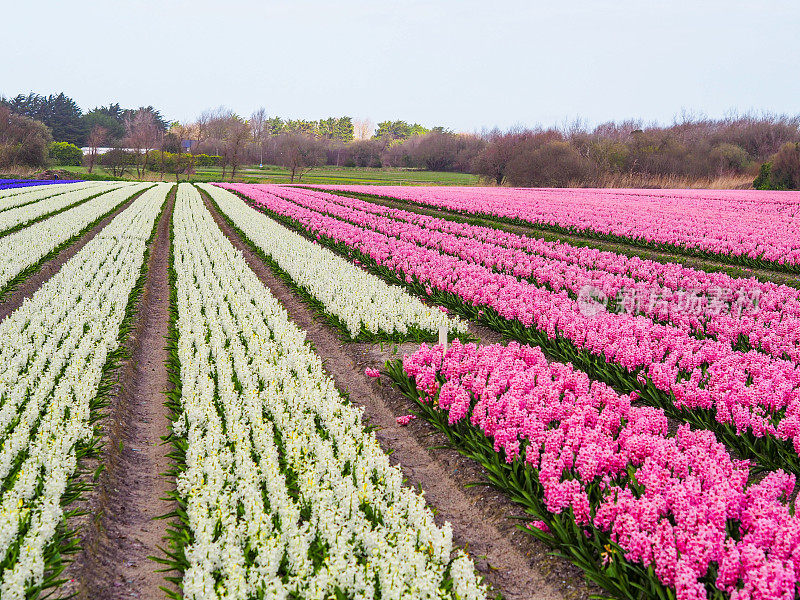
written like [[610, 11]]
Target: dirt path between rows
[[129, 496], [27, 288], [512, 561]]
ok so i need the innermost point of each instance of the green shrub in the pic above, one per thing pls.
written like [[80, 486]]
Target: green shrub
[[64, 153], [729, 158], [23, 141], [174, 158], [207, 160], [761, 182], [783, 173]]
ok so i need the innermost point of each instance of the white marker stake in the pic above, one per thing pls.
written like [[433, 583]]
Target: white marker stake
[[443, 337]]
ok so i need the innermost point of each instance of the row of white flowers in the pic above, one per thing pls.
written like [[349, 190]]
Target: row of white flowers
[[52, 353], [27, 246], [16, 191], [30, 212], [285, 490], [15, 196], [359, 299]]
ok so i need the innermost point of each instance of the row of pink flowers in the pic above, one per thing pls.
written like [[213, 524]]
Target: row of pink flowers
[[587, 443], [749, 390], [748, 223], [711, 304]]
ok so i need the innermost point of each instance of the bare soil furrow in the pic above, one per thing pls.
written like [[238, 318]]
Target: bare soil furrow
[[123, 528], [512, 561]]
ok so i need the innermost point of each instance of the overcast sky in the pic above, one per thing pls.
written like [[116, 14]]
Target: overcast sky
[[462, 64]]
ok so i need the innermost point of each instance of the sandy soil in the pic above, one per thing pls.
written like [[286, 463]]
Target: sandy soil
[[512, 561], [129, 496]]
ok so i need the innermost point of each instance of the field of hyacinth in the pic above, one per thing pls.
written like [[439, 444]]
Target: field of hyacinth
[[735, 226], [716, 355], [27, 246], [14, 184], [364, 306], [17, 196], [311, 506], [54, 351], [663, 511], [643, 414], [13, 218], [712, 371]]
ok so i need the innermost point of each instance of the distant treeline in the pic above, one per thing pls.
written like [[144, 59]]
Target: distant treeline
[[692, 151], [631, 153], [68, 123]]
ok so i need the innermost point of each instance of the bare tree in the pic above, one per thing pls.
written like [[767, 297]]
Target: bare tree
[[236, 134], [492, 162], [142, 134], [227, 136], [216, 127], [300, 153], [258, 123], [363, 128], [163, 141], [182, 162], [97, 137], [199, 129], [133, 141], [116, 160], [179, 133]]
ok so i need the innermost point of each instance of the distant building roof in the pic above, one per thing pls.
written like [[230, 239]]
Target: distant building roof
[[87, 150]]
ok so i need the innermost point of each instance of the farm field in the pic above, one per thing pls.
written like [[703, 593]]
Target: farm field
[[324, 175], [6, 184], [234, 390], [734, 226]]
